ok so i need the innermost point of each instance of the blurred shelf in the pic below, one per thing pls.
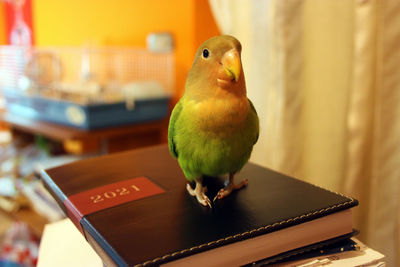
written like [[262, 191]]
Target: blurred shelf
[[79, 141], [35, 221]]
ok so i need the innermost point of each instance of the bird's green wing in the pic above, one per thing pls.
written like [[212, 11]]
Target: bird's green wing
[[171, 128], [255, 113]]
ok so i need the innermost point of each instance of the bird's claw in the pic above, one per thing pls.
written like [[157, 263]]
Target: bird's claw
[[205, 201], [190, 190], [241, 184], [200, 195], [223, 192]]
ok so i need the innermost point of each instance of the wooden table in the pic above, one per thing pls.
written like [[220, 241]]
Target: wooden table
[[79, 141]]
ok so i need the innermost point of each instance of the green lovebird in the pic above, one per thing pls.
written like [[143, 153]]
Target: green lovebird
[[213, 127]]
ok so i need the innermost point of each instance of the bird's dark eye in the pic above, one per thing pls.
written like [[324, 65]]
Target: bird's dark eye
[[206, 53]]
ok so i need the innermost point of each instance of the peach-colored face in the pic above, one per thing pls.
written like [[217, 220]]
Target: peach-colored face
[[217, 66]]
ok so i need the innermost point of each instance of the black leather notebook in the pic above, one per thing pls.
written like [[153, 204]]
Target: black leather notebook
[[133, 208]]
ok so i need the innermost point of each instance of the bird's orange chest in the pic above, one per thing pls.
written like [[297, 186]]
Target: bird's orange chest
[[218, 113]]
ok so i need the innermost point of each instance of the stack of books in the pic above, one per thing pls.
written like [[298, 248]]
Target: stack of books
[[134, 210]]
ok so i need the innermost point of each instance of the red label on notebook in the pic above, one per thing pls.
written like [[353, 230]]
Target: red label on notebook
[[108, 196]]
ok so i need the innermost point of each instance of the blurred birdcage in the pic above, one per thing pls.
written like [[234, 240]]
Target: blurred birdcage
[[85, 75]]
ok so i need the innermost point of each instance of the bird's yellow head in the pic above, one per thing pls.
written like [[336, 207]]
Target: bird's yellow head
[[217, 66]]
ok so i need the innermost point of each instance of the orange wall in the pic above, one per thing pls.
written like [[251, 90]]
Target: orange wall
[[204, 26], [3, 38], [125, 22]]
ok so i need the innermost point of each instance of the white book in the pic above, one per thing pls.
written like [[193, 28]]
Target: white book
[[62, 245]]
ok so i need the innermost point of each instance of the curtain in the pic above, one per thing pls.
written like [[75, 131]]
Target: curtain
[[324, 77], [373, 145]]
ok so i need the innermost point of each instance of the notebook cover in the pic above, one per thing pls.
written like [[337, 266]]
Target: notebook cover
[[168, 223]]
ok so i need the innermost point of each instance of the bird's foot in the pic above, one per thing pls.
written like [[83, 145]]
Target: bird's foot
[[200, 193], [223, 192]]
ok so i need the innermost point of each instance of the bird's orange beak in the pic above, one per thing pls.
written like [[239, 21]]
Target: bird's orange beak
[[231, 64]]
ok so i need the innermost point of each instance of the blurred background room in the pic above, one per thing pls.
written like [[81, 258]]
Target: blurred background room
[[85, 78]]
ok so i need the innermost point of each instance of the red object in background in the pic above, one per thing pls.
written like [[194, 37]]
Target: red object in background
[[10, 18], [19, 246]]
